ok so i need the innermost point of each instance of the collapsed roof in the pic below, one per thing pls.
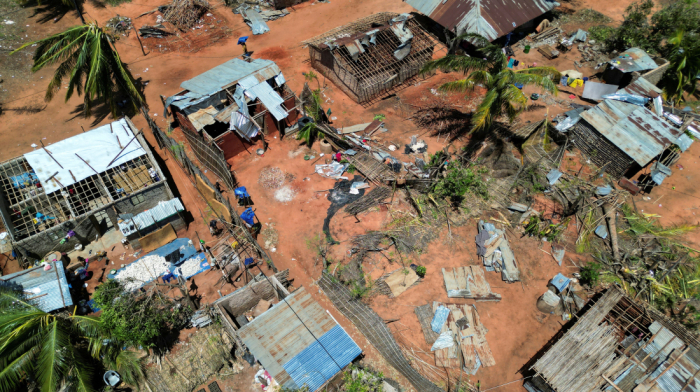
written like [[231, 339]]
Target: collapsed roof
[[489, 18]]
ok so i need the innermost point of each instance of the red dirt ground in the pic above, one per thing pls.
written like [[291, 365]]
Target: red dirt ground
[[516, 329]]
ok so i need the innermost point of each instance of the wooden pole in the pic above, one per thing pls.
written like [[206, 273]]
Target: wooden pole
[[671, 365], [611, 383], [120, 152], [140, 43], [609, 212], [49, 153]]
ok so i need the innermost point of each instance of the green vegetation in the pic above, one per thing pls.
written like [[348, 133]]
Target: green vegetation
[[460, 180], [503, 97], [358, 291], [86, 56], [139, 319], [420, 271], [590, 274], [357, 379], [545, 229], [684, 58], [379, 117], [601, 33], [57, 351], [351, 169]]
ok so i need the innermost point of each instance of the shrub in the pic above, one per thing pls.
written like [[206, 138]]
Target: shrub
[[590, 274], [459, 181], [420, 271]]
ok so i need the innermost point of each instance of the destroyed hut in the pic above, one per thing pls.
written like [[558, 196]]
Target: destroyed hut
[[371, 56], [622, 137], [631, 64], [232, 104], [69, 192], [489, 19], [619, 345]]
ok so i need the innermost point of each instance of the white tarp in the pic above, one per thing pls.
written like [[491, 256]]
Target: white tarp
[[98, 147], [256, 89]]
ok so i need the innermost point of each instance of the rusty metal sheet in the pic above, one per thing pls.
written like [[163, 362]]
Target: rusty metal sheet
[[633, 59], [637, 131], [642, 87], [490, 18]]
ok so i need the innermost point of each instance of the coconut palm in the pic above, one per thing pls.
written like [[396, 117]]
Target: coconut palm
[[86, 56], [55, 350], [684, 56], [503, 97]]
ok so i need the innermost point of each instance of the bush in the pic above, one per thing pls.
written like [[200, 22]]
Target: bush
[[590, 274], [459, 181], [136, 318], [601, 33], [420, 271]]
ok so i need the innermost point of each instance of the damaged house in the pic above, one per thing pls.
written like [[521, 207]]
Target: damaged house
[[297, 341], [69, 192], [234, 103], [631, 64], [490, 19], [619, 345], [623, 137], [372, 55]]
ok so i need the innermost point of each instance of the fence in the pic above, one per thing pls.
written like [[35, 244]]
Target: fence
[[234, 224], [375, 330]]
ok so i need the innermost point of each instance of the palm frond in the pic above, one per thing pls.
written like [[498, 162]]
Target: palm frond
[[130, 366], [483, 116], [53, 357], [12, 372], [455, 63], [81, 373], [543, 82], [458, 86]]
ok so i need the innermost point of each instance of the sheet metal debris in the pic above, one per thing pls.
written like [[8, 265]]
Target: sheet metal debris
[[495, 252], [439, 319]]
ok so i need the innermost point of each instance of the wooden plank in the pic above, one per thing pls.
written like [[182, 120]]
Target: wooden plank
[[494, 245], [468, 353]]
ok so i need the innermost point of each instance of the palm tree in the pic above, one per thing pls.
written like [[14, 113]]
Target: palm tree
[[55, 350], [684, 69], [503, 97], [86, 56]]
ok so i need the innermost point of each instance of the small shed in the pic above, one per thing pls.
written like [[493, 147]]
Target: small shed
[[232, 103], [48, 289], [621, 69], [373, 55], [490, 19], [299, 343], [622, 137]]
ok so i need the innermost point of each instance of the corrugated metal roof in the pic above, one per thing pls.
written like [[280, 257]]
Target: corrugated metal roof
[[260, 89], [641, 87], [287, 350], [228, 74], [148, 218], [634, 129], [490, 18], [47, 289], [313, 367], [595, 91], [682, 370], [633, 59]]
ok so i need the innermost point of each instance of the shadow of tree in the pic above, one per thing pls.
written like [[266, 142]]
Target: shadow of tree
[[26, 109], [100, 109], [443, 121], [54, 11]]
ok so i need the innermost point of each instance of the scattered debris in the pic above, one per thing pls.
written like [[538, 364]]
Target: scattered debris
[[120, 25], [185, 14], [468, 282], [495, 252]]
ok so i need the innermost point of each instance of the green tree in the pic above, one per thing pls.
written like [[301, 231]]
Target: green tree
[[140, 319], [86, 56], [684, 67], [635, 30], [56, 349], [503, 97]]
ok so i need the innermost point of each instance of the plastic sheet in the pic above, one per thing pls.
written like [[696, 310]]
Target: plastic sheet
[[439, 319], [629, 98], [567, 123], [445, 340]]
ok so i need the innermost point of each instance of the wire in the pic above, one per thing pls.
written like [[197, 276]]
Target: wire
[[302, 321]]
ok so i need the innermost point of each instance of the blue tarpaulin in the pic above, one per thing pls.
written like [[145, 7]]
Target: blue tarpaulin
[[241, 192], [439, 319], [24, 179], [603, 190], [561, 282], [601, 231], [248, 216], [553, 176]]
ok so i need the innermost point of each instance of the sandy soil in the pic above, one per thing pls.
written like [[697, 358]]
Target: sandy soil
[[516, 329]]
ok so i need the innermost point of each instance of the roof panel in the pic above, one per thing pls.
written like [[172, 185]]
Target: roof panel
[[283, 344], [229, 73], [633, 59], [641, 87], [634, 129], [49, 289], [490, 18], [103, 148]]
